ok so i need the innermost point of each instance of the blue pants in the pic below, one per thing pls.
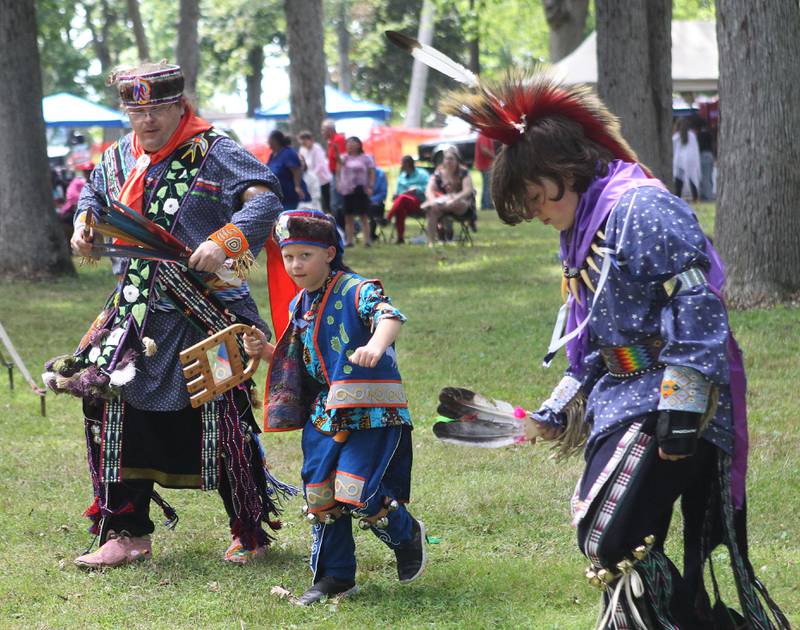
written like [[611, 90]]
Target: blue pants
[[371, 467]]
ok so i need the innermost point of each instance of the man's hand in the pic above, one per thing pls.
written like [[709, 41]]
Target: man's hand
[[546, 423], [207, 257], [81, 243], [367, 356]]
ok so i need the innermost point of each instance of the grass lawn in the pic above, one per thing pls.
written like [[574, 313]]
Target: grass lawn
[[507, 558]]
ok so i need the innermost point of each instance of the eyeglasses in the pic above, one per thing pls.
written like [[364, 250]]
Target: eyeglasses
[[153, 112]]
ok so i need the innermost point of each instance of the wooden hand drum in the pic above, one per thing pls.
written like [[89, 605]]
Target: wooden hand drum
[[215, 365]]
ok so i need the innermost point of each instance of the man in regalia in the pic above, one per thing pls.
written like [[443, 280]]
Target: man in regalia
[[177, 171]]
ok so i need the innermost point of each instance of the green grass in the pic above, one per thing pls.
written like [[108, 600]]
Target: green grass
[[507, 558]]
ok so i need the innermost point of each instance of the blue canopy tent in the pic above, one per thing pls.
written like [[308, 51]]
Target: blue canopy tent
[[67, 110], [338, 105]]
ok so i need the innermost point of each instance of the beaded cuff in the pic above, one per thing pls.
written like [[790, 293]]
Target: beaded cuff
[[388, 313], [684, 281], [683, 389], [232, 240], [563, 393]]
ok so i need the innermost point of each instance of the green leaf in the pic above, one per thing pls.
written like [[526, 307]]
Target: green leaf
[[161, 192], [145, 273], [181, 188], [175, 165], [138, 312], [135, 280], [171, 175]]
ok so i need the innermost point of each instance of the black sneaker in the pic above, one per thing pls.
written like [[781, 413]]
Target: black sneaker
[[411, 556], [326, 587]]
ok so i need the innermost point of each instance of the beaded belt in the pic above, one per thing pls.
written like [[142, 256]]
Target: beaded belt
[[629, 361]]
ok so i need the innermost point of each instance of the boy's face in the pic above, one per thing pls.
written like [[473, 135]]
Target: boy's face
[[541, 204], [308, 265]]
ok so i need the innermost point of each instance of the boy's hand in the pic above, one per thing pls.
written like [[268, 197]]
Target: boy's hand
[[366, 356], [256, 344]]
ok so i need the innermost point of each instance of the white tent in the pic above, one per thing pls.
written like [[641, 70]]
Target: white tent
[[695, 60]]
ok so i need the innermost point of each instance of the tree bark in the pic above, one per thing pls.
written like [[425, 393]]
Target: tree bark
[[138, 30], [255, 61], [343, 45], [634, 76], [757, 225], [567, 21], [305, 42], [187, 52], [474, 41], [32, 243], [419, 71]]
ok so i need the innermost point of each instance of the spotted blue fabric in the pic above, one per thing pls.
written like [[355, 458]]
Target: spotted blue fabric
[[228, 170], [370, 296], [655, 236]]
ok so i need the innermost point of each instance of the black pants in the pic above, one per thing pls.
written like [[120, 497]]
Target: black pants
[[138, 494], [325, 194], [679, 188], [645, 508]]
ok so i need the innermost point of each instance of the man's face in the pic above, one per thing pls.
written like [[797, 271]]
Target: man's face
[[327, 132], [155, 125]]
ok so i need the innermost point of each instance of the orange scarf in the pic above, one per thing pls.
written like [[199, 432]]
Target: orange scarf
[[133, 189]]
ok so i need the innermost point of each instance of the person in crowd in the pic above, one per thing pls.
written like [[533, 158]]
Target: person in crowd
[[337, 147], [355, 179], [450, 192], [318, 165], [685, 158], [411, 186], [334, 374], [377, 201], [67, 210], [705, 142], [179, 172], [285, 163], [654, 388], [484, 157]]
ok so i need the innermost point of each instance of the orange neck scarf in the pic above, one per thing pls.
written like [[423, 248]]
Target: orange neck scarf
[[132, 191]]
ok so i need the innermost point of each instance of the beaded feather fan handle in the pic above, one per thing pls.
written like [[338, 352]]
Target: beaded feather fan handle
[[214, 366]]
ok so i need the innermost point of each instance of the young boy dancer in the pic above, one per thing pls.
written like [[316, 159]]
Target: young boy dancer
[[334, 374]]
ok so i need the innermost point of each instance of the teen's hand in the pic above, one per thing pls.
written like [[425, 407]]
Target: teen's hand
[[256, 344], [366, 356], [207, 257]]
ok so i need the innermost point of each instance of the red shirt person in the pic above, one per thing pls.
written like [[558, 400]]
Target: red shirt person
[[484, 158]]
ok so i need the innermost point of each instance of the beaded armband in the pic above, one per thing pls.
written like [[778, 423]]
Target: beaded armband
[[567, 388], [389, 312], [232, 240], [684, 281], [683, 389]]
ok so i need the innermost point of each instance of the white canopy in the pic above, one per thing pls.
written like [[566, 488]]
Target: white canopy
[[695, 60]]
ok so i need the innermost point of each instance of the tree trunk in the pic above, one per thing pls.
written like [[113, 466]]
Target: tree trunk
[[343, 45], [634, 76], [255, 62], [32, 243], [306, 47], [187, 52], [474, 42], [758, 221], [419, 71], [138, 30], [567, 21]]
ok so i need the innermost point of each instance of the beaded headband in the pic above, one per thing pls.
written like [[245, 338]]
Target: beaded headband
[[307, 227], [159, 87]]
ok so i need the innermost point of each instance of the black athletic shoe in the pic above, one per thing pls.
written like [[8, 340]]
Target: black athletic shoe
[[327, 587], [411, 556]]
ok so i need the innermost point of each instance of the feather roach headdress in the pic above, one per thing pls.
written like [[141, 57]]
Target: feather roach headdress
[[506, 110]]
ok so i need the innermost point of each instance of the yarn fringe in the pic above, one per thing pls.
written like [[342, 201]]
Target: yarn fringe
[[243, 265], [576, 432]]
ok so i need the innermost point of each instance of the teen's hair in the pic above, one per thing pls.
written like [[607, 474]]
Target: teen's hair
[[305, 134], [281, 138], [554, 147], [358, 141]]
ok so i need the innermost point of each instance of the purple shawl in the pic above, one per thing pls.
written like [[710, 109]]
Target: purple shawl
[[591, 213]]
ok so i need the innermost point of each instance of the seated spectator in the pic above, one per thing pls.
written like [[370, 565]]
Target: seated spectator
[[449, 192], [411, 185], [377, 200]]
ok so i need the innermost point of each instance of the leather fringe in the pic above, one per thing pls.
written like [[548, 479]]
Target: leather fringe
[[574, 436]]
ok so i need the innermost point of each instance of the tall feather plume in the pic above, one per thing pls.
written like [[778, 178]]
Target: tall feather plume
[[433, 58], [505, 110]]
